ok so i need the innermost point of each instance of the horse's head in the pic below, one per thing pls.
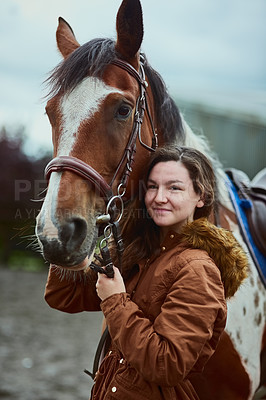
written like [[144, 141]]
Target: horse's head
[[93, 109]]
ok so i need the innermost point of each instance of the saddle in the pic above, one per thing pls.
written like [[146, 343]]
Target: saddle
[[253, 200]]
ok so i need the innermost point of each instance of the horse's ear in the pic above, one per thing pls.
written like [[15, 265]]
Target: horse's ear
[[129, 27], [66, 41]]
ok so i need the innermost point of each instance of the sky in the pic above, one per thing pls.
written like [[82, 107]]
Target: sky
[[204, 49]]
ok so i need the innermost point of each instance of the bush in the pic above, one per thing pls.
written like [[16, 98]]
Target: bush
[[21, 182]]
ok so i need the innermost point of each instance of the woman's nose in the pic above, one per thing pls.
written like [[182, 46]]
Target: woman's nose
[[160, 196]]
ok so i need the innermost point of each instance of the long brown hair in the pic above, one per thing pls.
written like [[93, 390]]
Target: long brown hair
[[140, 234]]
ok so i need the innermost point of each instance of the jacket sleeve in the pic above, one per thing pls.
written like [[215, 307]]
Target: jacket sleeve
[[71, 293], [187, 329]]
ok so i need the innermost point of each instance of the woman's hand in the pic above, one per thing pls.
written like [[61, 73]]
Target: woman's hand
[[105, 286]]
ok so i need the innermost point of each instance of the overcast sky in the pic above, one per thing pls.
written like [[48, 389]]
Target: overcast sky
[[198, 46]]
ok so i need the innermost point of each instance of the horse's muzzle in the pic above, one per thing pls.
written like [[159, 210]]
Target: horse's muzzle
[[69, 247]]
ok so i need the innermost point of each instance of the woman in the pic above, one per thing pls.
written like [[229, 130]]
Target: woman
[[167, 310]]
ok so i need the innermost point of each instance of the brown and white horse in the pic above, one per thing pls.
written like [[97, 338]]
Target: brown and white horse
[[93, 109]]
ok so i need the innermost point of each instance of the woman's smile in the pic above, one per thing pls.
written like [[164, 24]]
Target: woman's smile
[[161, 211]]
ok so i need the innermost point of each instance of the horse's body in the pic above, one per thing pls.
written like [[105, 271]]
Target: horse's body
[[91, 111]]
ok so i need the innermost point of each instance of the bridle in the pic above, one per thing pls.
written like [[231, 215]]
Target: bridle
[[79, 167]]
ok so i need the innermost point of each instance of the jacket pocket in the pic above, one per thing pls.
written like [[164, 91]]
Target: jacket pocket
[[104, 377], [132, 386], [118, 380]]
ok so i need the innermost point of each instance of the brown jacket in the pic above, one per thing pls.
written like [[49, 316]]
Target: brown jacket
[[169, 322]]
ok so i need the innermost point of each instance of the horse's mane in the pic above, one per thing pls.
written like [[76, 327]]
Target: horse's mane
[[92, 58]]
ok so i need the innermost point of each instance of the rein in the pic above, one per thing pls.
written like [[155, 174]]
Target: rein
[[104, 189]]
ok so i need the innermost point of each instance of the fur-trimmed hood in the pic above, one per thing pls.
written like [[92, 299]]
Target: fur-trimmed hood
[[222, 247]]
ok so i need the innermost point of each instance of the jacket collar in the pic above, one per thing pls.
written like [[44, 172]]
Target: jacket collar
[[221, 246]]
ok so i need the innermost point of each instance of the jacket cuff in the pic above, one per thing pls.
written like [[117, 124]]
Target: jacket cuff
[[114, 302]]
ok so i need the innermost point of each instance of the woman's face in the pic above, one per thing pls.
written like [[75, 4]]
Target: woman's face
[[170, 198]]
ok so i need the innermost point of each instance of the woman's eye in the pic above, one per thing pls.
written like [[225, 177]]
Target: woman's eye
[[175, 188], [123, 112]]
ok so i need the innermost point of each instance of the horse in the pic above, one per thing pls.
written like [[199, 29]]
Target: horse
[[109, 109]]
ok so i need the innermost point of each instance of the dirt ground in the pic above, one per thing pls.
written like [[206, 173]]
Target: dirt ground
[[43, 352]]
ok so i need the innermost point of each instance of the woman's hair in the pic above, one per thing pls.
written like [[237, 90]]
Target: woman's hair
[[140, 234]]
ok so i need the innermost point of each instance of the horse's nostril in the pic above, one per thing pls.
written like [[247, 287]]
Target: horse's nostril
[[73, 233]]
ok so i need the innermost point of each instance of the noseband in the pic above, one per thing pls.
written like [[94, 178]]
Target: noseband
[[104, 189]]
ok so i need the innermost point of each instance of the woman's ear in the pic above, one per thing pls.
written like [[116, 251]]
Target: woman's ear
[[200, 203]]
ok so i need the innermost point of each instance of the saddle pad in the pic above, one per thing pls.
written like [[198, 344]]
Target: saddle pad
[[240, 206]]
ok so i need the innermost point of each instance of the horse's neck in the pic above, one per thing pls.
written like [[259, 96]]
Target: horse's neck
[[200, 143]]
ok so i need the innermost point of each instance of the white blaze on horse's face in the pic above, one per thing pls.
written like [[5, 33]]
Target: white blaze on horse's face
[[76, 110], [80, 105], [49, 228]]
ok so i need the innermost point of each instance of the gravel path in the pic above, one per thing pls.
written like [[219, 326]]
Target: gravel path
[[42, 351]]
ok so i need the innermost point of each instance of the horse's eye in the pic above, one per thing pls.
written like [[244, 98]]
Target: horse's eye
[[123, 112]]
